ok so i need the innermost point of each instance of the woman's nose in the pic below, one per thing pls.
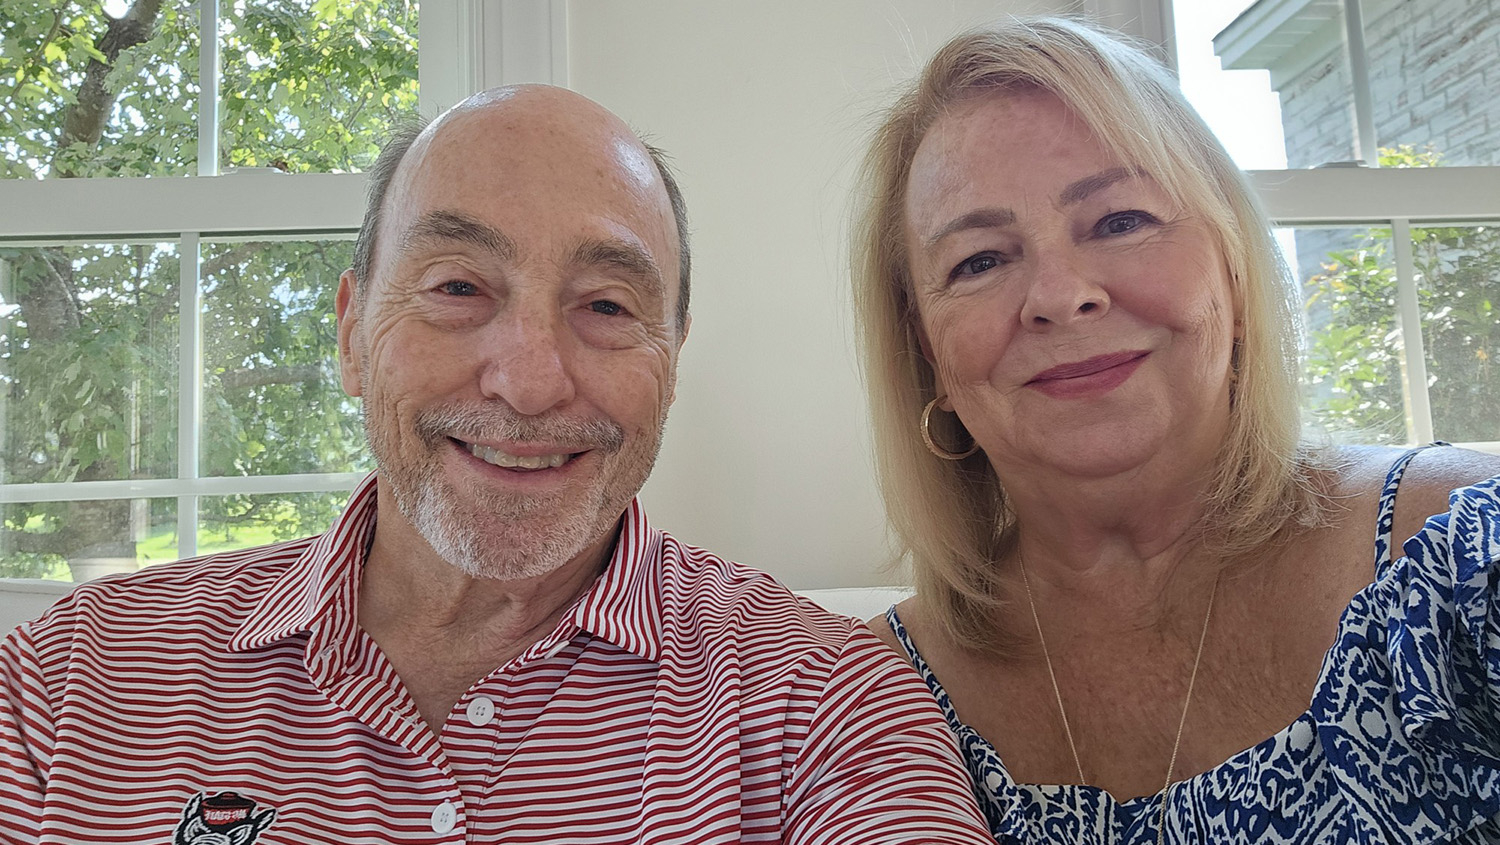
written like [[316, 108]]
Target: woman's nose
[[1061, 291]]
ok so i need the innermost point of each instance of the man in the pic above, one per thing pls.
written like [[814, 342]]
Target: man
[[508, 651]]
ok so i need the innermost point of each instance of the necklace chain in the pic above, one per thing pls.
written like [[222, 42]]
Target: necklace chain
[[1062, 711]]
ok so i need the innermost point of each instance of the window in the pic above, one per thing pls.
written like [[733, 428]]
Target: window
[[167, 381], [168, 385], [1372, 138]]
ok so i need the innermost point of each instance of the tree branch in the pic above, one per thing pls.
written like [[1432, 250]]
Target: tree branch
[[86, 118], [41, 50], [214, 267], [246, 378]]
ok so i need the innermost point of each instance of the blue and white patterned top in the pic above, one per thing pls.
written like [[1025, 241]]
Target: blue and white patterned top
[[1400, 745]]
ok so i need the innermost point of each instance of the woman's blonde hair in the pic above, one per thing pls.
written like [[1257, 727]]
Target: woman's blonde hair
[[952, 517]]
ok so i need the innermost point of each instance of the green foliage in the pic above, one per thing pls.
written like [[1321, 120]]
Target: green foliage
[[307, 85], [89, 333], [1355, 354], [289, 67], [48, 49]]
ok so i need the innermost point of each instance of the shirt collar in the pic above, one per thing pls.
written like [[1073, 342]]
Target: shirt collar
[[324, 577], [623, 606]]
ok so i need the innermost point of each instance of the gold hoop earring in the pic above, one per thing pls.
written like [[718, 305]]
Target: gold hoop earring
[[932, 445]]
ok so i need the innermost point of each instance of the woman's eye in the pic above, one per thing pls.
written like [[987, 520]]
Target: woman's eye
[[605, 307], [456, 288], [975, 265], [1123, 222]]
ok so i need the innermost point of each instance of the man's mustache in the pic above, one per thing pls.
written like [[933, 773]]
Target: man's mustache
[[493, 422]]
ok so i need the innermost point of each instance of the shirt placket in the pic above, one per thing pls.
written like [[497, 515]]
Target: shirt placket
[[350, 670], [482, 732]]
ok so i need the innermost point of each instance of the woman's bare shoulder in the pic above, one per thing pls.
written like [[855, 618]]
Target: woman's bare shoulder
[[882, 628], [1429, 478]]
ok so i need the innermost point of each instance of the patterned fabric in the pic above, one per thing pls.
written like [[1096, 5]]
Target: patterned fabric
[[1400, 745], [683, 699]]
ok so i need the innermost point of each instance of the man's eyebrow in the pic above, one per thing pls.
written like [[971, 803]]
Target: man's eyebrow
[[984, 218], [438, 227], [634, 261], [1083, 188]]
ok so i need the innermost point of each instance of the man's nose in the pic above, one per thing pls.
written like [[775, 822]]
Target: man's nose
[[1062, 290], [528, 361]]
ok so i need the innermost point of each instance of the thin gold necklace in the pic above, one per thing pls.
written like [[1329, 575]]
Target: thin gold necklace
[[1161, 827]]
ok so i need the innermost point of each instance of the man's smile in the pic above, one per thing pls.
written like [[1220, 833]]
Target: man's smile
[[491, 455]]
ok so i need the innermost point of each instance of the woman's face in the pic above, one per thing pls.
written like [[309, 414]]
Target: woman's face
[[1077, 321]]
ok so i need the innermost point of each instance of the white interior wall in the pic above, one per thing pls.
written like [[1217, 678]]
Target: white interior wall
[[765, 108]]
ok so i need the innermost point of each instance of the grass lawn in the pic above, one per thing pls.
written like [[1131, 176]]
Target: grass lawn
[[161, 545]]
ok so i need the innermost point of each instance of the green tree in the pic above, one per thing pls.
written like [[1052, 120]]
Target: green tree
[[1353, 360], [88, 342]]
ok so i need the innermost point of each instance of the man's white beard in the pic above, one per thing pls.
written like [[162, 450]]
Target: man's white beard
[[530, 541], [509, 537]]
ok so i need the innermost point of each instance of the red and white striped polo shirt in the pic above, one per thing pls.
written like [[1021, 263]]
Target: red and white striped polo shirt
[[233, 699]]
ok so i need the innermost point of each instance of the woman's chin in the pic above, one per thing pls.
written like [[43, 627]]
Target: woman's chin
[[1099, 454]]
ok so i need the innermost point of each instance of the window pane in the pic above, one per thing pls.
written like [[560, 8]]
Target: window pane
[[312, 85], [272, 400], [88, 363], [1458, 286], [1430, 66], [238, 522], [1236, 99], [63, 113], [76, 541], [1353, 375]]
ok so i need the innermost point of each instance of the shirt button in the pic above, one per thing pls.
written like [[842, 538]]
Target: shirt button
[[481, 711], [444, 817]]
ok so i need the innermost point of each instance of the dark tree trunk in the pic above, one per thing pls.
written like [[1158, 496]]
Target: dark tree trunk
[[86, 118]]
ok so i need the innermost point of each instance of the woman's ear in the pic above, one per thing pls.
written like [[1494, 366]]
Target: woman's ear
[[925, 345]]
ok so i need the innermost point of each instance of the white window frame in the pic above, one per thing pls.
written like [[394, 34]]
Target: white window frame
[[464, 46], [1356, 196]]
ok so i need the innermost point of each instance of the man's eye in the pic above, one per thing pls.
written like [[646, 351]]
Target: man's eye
[[457, 288], [605, 307], [1123, 222], [975, 265]]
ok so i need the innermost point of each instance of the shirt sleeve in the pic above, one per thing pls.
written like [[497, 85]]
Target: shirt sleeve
[[25, 739], [879, 764]]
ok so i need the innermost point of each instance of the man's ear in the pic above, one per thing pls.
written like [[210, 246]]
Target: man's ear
[[348, 311], [687, 323]]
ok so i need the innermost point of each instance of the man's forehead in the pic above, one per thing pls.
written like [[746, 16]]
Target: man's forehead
[[511, 140], [505, 157]]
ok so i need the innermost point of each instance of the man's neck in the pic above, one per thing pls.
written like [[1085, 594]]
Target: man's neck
[[443, 630]]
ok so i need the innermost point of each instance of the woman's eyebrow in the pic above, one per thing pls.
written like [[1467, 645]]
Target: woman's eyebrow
[[1081, 190], [983, 218]]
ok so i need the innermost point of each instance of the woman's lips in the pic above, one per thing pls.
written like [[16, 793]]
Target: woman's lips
[[1096, 375]]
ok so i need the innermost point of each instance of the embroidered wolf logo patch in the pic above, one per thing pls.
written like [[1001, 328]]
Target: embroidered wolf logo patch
[[225, 818]]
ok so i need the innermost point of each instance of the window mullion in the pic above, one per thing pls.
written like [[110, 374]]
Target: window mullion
[[208, 87], [189, 388], [1413, 353], [1359, 78]]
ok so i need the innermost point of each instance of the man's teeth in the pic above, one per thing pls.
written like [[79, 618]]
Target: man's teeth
[[501, 459]]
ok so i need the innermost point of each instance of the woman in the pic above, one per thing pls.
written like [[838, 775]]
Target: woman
[[1149, 610]]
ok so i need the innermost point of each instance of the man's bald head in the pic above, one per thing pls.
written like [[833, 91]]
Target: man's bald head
[[558, 107]]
